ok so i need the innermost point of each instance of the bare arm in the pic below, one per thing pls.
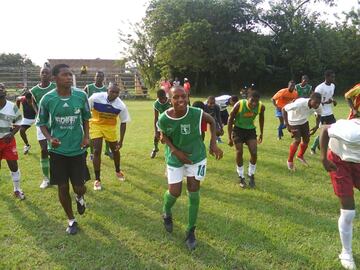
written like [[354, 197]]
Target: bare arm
[[156, 118], [261, 123], [286, 120], [314, 129], [33, 103], [324, 142], [214, 150], [86, 90], [231, 122], [182, 156], [122, 134]]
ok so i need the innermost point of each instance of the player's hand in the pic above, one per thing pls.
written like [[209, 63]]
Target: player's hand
[[216, 151], [182, 156], [55, 142], [85, 143], [334, 102], [329, 165], [260, 139], [157, 135], [8, 137], [313, 130], [231, 142]]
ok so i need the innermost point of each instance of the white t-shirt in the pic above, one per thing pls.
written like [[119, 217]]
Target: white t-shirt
[[9, 115], [327, 93], [222, 101], [299, 111], [345, 139]]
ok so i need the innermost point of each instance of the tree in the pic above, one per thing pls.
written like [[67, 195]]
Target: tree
[[15, 60]]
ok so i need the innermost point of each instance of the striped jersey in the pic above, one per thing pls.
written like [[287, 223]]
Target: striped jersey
[[9, 115]]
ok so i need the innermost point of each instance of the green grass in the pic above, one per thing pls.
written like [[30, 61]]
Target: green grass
[[288, 222]]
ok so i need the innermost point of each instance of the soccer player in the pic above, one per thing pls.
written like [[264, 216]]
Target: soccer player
[[342, 161], [353, 99], [160, 105], [241, 129], [280, 99], [10, 121], [214, 110], [38, 92], [28, 117], [64, 120], [185, 155], [106, 108], [187, 88], [224, 101], [326, 90], [296, 116], [304, 89]]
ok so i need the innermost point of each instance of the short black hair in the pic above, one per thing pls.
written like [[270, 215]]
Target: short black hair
[[161, 93], [234, 99], [100, 72], [315, 95], [328, 73], [211, 98], [305, 77], [199, 104], [254, 94], [56, 69], [28, 95]]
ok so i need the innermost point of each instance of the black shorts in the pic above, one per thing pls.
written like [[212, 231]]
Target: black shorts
[[224, 115], [63, 168], [300, 131], [241, 135], [328, 120]]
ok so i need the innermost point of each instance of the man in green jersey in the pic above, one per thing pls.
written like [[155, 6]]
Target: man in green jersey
[[304, 89], [241, 129], [38, 92], [64, 120], [185, 156], [160, 105]]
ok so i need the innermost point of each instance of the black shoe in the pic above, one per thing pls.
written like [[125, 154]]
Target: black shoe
[[153, 153], [251, 181], [81, 205], [242, 182], [72, 229], [168, 223], [190, 239]]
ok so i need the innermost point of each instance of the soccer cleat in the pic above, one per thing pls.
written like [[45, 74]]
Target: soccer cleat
[[347, 261], [190, 239], [72, 229], [168, 223], [242, 182], [81, 205], [303, 161], [19, 195], [313, 151], [121, 176], [26, 149], [218, 140], [45, 183], [97, 185], [291, 166], [252, 181], [153, 153]]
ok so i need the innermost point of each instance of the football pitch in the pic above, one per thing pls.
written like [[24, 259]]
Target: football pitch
[[288, 222]]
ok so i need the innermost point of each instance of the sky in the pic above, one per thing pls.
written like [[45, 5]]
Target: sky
[[42, 29]]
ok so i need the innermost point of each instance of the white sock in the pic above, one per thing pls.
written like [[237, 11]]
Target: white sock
[[240, 171], [71, 221], [345, 224], [16, 179], [252, 169]]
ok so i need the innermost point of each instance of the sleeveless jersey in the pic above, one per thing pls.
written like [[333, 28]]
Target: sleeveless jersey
[[92, 88], [245, 116]]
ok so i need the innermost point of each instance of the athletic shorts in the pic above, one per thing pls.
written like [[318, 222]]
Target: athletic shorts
[[8, 151], [224, 115], [300, 131], [40, 136], [176, 175], [108, 133], [346, 176], [27, 122], [63, 169], [242, 135], [328, 120], [278, 113]]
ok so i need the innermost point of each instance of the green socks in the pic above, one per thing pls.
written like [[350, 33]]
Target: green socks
[[194, 202], [44, 163], [107, 148], [169, 201], [315, 144]]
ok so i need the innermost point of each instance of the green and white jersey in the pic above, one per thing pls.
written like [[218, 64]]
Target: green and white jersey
[[185, 134], [303, 92], [92, 89], [245, 116], [9, 115], [38, 92], [64, 117], [162, 107]]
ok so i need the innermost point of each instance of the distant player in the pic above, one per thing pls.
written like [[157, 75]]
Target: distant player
[[38, 92], [28, 117], [280, 99], [214, 110], [241, 129], [224, 101], [353, 99], [326, 90], [199, 104], [342, 161], [10, 121], [64, 120], [106, 108], [304, 89], [160, 105], [185, 156], [296, 116]]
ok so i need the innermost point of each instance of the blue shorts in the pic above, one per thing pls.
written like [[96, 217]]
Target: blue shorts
[[278, 113]]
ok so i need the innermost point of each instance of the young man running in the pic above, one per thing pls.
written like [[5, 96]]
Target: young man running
[[185, 156], [280, 99], [38, 92], [241, 129], [296, 116], [160, 105], [342, 161], [326, 90], [353, 99], [304, 89], [64, 120], [28, 117], [10, 120], [106, 108], [214, 110]]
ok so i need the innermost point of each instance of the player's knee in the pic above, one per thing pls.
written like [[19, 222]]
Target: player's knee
[[63, 188], [97, 151], [80, 190]]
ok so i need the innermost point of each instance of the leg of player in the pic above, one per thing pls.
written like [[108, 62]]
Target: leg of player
[[170, 197], [91, 146], [116, 155], [15, 175], [252, 145], [108, 152], [24, 138], [240, 164], [293, 149], [44, 163], [65, 200], [193, 187], [304, 145], [97, 147], [315, 145], [156, 146], [281, 127]]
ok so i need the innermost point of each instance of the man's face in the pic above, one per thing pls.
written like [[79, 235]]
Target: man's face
[[330, 78], [99, 77], [291, 86], [45, 74], [113, 92], [64, 78], [211, 103], [315, 103], [305, 80], [163, 99], [179, 99], [253, 102], [2, 91]]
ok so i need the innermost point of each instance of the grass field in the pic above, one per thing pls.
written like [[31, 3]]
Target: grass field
[[288, 222]]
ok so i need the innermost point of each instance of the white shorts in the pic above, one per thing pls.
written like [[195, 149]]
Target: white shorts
[[176, 175], [39, 134], [27, 122]]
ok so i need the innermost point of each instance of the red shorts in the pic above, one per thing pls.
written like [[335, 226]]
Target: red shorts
[[203, 126], [8, 150], [346, 177]]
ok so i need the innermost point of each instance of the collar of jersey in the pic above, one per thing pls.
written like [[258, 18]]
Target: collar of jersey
[[187, 111]]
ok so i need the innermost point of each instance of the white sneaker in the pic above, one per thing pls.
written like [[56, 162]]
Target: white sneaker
[[19, 194], [45, 183], [291, 166], [26, 149], [347, 261], [97, 185]]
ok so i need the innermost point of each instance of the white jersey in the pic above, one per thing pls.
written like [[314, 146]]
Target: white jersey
[[299, 111], [345, 139], [222, 101], [327, 93], [10, 115]]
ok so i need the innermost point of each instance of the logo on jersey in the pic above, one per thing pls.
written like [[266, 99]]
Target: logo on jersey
[[185, 129], [77, 111], [65, 105]]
